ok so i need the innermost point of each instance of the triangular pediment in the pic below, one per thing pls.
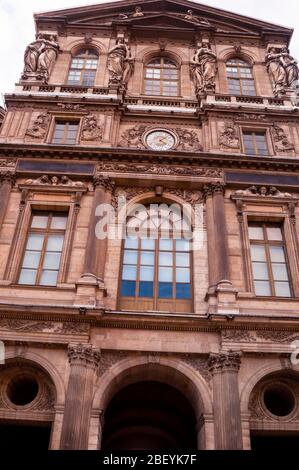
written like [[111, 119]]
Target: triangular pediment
[[167, 14]]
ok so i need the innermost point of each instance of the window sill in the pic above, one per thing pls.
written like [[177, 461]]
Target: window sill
[[252, 296], [28, 286], [153, 313]]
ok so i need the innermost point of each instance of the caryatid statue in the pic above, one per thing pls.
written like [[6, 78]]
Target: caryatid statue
[[120, 63], [39, 57], [282, 69], [203, 69]]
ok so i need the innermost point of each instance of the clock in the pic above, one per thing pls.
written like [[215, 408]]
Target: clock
[[160, 140]]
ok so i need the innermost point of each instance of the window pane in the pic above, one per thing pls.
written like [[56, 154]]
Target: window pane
[[260, 271], [131, 243], [165, 290], [59, 222], [27, 276], [280, 272], [255, 232], [277, 254], [282, 289], [39, 221], [48, 278], [129, 273], [183, 275], [258, 253], [147, 258], [274, 233], [165, 259], [146, 289], [165, 274], [52, 261], [128, 288], [147, 273], [183, 291], [262, 288], [130, 257], [182, 259], [31, 259], [182, 245], [55, 243], [166, 244], [147, 244], [35, 241]]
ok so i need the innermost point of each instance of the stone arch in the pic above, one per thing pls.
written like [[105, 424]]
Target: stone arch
[[75, 46], [230, 53], [174, 372], [274, 367], [44, 364], [147, 54]]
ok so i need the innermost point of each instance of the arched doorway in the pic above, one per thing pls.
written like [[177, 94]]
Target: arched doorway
[[149, 415]]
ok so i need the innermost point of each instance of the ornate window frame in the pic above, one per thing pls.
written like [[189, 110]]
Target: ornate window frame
[[36, 195], [178, 81], [73, 54], [250, 64], [257, 204]]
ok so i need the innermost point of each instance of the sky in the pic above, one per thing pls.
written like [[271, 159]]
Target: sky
[[17, 26]]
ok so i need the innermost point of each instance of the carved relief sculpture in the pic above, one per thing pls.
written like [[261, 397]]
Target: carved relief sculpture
[[229, 137], [39, 126], [91, 129], [203, 69], [39, 58], [120, 64], [281, 141], [188, 140], [196, 19], [262, 191], [132, 138], [55, 181], [282, 69]]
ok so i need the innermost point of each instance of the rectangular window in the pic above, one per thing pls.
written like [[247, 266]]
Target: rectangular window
[[43, 250], [269, 260], [65, 132], [255, 143]]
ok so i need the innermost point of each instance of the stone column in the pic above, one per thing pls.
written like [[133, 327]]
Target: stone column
[[95, 256], [7, 180], [84, 360], [208, 196], [224, 368], [220, 233]]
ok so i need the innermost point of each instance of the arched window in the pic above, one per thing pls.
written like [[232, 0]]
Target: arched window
[[239, 77], [83, 68], [156, 260], [161, 77]]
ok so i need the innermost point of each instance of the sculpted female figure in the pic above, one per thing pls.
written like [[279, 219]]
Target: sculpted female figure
[[32, 53], [47, 56], [120, 62], [276, 71], [290, 65], [204, 68]]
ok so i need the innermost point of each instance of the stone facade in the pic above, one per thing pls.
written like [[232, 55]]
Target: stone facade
[[74, 340]]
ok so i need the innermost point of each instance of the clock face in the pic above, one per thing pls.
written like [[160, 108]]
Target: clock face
[[160, 140]]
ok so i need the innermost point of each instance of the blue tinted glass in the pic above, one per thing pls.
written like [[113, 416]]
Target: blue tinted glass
[[165, 290], [183, 291], [146, 289], [128, 288]]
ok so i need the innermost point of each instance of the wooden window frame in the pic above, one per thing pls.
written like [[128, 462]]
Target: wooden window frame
[[161, 80], [267, 243], [83, 69], [47, 232], [239, 79], [67, 121], [255, 131]]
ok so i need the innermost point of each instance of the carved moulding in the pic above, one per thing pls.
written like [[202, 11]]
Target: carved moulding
[[246, 336], [8, 163], [28, 326], [62, 181], [189, 196], [187, 139], [160, 169]]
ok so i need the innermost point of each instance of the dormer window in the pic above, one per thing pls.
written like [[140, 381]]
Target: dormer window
[[83, 68], [161, 77]]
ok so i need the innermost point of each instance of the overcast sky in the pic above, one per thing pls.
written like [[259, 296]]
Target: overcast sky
[[17, 26]]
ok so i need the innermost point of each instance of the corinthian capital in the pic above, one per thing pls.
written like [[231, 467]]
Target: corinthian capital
[[84, 354], [7, 177], [224, 361], [104, 182], [213, 188]]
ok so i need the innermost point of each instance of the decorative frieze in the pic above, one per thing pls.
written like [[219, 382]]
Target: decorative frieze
[[39, 126], [29, 326], [262, 191], [160, 169], [238, 336], [46, 180], [229, 137], [91, 129], [189, 196]]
